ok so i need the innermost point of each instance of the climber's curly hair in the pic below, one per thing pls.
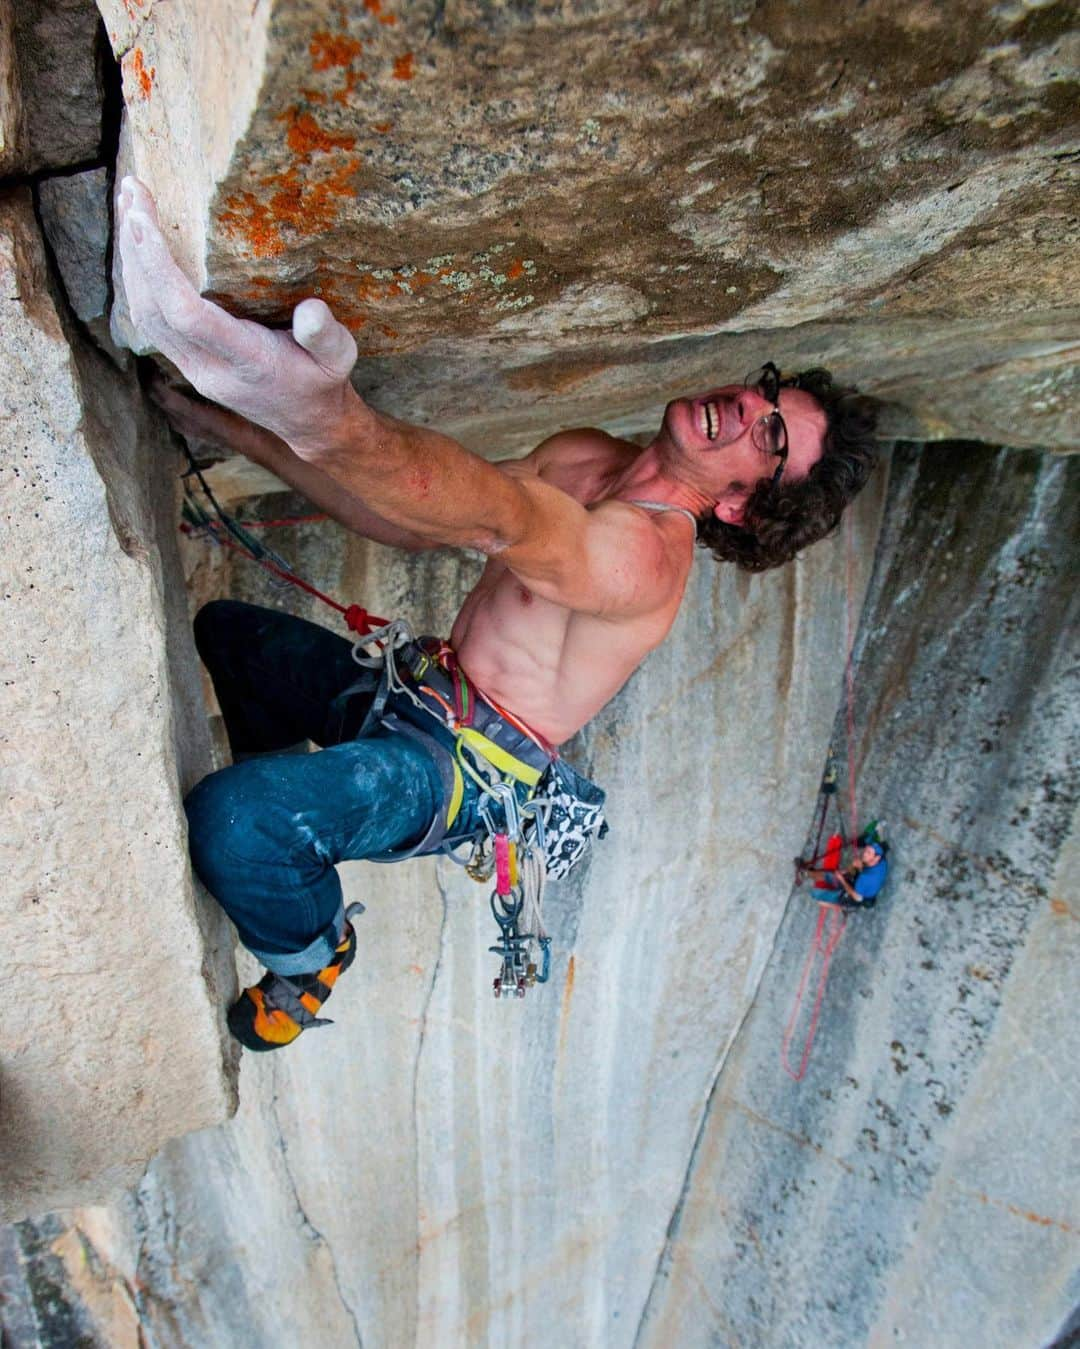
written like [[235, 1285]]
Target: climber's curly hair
[[780, 522]]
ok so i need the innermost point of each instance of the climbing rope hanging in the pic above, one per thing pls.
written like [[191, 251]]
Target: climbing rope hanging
[[218, 525], [831, 921]]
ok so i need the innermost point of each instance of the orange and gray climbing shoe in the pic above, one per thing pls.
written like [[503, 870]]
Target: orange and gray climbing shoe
[[273, 1012]]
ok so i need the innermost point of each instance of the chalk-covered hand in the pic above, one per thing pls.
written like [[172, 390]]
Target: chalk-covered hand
[[295, 384]]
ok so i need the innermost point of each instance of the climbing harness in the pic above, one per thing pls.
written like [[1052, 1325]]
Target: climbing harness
[[537, 816]]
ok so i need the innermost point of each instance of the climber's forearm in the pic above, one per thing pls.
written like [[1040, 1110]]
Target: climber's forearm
[[421, 481], [323, 491]]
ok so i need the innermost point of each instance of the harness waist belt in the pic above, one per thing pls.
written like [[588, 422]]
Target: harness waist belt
[[452, 700]]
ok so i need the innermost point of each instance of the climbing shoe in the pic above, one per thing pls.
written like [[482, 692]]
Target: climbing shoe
[[273, 1012]]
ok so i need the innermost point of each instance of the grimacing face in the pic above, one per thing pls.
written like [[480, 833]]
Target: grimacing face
[[711, 434]]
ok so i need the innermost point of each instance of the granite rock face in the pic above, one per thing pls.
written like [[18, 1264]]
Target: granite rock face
[[101, 730], [621, 1159], [51, 85], [536, 216], [442, 1168], [558, 207], [919, 1185], [75, 218]]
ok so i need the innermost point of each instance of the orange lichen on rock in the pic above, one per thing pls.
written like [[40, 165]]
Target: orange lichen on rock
[[370, 288], [404, 67], [142, 74], [352, 79], [419, 279], [375, 7], [245, 216], [333, 49], [305, 135], [310, 208], [382, 127], [516, 269], [303, 208]]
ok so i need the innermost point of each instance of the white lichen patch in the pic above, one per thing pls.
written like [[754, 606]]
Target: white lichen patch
[[581, 307]]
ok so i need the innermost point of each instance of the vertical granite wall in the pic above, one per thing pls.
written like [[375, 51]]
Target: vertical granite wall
[[621, 1160], [442, 1168], [103, 723], [920, 1184]]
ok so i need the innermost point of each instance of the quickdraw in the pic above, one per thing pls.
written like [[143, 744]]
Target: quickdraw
[[517, 900]]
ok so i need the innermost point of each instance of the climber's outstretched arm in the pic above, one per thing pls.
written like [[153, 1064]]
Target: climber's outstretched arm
[[207, 422], [296, 385]]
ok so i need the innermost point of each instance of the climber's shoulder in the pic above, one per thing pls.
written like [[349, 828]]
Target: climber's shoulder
[[575, 460]]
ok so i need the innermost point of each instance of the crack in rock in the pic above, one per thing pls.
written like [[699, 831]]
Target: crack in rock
[[664, 1259], [124, 45], [310, 1230]]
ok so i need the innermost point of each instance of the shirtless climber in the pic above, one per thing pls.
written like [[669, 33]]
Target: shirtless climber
[[589, 541]]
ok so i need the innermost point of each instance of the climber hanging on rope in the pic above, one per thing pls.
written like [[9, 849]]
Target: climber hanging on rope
[[859, 884], [589, 541]]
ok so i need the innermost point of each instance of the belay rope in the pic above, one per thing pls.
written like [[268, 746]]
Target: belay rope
[[512, 849], [831, 921], [221, 528]]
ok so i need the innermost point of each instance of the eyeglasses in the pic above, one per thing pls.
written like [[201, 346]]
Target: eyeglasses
[[769, 434]]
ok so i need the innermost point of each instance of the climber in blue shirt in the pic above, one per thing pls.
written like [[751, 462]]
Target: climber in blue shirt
[[860, 884]]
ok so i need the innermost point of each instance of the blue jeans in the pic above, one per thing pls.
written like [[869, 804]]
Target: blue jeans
[[842, 900], [266, 834]]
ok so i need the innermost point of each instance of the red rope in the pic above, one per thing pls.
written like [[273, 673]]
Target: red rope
[[830, 925], [831, 920], [849, 668], [355, 615]]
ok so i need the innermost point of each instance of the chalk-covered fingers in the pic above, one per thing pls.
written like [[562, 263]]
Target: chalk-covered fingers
[[294, 384], [326, 340], [160, 297], [165, 307]]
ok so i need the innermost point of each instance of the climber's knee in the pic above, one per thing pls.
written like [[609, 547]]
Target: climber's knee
[[241, 831], [215, 627]]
